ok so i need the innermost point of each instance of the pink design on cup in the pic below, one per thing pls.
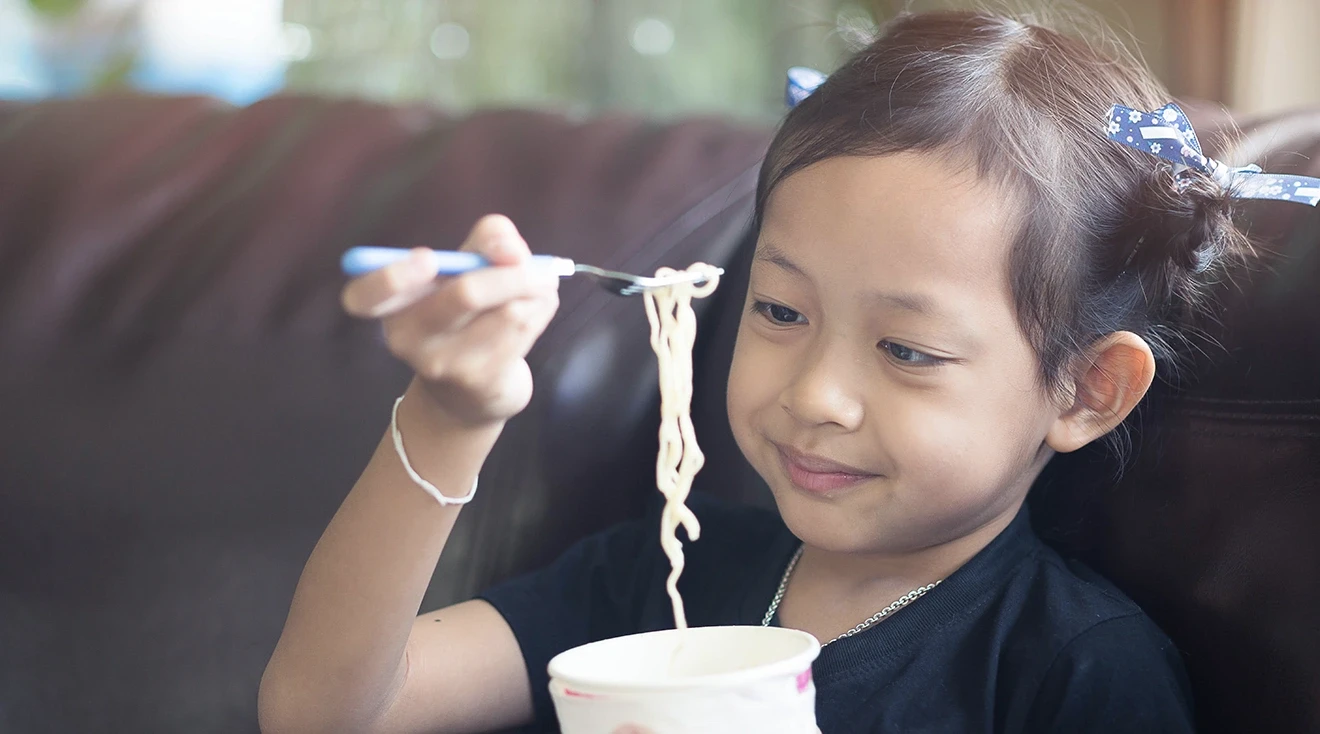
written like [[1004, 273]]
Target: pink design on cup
[[804, 680], [579, 694]]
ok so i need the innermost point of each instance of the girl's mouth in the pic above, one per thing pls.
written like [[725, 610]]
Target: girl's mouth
[[818, 475]]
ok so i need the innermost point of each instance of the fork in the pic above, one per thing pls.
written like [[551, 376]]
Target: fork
[[363, 260]]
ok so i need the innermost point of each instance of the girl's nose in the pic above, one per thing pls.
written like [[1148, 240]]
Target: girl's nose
[[825, 390]]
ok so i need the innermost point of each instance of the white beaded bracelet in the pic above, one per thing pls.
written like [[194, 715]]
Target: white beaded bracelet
[[431, 489]]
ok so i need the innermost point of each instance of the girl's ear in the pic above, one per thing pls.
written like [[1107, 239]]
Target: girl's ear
[[1118, 371]]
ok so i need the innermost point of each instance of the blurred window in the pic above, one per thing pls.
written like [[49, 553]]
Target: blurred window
[[657, 57]]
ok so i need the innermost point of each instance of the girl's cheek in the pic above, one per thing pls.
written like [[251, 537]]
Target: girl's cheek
[[742, 390], [926, 437], [751, 390], [756, 373]]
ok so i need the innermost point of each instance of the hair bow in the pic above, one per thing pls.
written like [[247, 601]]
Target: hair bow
[[1168, 134], [801, 83]]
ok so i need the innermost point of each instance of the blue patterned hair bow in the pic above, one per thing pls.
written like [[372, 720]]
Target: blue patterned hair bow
[[1168, 134], [801, 83]]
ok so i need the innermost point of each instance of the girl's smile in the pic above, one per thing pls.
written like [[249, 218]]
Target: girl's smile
[[820, 476]]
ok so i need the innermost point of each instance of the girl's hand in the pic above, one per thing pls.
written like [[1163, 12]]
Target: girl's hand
[[467, 337]]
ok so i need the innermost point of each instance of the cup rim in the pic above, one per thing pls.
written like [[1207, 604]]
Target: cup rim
[[791, 665]]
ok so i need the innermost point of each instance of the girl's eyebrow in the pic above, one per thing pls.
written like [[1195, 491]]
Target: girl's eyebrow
[[915, 302], [768, 253]]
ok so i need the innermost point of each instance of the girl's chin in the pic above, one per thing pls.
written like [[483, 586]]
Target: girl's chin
[[831, 526]]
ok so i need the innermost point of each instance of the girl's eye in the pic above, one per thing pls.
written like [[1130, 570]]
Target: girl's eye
[[909, 357], [777, 314]]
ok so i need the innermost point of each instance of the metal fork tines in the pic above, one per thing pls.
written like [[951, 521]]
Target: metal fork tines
[[625, 284]]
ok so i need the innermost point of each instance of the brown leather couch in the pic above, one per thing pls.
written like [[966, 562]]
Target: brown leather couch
[[183, 405]]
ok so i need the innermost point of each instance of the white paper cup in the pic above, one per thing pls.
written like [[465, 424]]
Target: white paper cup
[[703, 679]]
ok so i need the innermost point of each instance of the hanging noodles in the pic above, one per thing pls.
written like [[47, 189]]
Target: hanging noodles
[[673, 331]]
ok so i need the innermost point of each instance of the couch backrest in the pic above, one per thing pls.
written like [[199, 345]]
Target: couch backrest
[[184, 404]]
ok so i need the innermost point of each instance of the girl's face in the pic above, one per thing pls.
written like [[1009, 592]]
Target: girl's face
[[881, 384]]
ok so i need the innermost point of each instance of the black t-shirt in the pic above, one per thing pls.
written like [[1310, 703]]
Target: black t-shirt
[[1017, 640]]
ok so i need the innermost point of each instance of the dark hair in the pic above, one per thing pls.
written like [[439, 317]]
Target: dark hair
[[1106, 243]]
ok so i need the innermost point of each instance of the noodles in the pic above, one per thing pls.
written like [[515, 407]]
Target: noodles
[[673, 331]]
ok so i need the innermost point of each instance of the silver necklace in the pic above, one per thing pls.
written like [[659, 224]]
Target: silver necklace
[[898, 604]]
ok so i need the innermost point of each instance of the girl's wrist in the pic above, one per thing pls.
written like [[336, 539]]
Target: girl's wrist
[[426, 413], [443, 449]]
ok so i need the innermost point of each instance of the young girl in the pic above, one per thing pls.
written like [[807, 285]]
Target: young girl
[[958, 274]]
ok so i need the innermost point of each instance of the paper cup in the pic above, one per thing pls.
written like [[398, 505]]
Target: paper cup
[[703, 679]]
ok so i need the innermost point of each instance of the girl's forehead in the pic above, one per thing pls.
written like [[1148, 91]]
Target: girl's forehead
[[916, 216]]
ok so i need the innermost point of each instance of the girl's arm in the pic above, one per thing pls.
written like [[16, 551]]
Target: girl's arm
[[353, 656]]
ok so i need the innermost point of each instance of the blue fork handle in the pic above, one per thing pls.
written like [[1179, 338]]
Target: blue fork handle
[[362, 260]]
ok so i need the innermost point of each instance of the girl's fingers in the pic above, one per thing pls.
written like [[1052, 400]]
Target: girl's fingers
[[455, 302], [521, 323], [391, 288], [486, 345], [495, 238], [482, 371]]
